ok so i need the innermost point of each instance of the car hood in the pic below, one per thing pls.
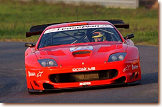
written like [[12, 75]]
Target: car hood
[[78, 53]]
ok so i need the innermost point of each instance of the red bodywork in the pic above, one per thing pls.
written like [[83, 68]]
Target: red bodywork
[[96, 60]]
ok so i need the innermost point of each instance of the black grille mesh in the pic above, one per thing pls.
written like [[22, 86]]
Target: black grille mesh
[[83, 76]]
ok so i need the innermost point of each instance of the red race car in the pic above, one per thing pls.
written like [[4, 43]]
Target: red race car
[[80, 54]]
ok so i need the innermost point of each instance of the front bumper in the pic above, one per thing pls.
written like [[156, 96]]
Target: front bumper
[[38, 79]]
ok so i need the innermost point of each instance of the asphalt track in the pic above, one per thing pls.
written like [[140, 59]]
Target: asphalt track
[[13, 83]]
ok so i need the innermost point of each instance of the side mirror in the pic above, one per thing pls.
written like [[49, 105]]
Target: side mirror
[[129, 36], [29, 45]]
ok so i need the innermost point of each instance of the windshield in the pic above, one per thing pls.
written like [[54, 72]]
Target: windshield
[[79, 34]]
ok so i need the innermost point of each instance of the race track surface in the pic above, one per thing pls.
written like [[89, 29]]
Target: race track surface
[[13, 82]]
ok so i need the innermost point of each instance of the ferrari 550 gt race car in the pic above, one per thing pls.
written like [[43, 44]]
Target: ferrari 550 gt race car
[[80, 54]]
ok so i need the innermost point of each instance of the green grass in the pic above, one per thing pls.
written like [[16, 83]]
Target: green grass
[[17, 17]]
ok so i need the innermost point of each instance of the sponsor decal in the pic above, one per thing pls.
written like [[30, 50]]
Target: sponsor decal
[[84, 69], [85, 83], [134, 67], [126, 68], [77, 27], [33, 74], [72, 49], [39, 74]]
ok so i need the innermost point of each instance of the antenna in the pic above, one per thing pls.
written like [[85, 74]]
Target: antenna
[[77, 12], [77, 16]]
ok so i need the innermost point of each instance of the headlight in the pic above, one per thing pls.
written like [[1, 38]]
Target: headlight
[[117, 57], [47, 62]]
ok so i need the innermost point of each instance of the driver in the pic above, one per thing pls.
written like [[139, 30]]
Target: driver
[[98, 37]]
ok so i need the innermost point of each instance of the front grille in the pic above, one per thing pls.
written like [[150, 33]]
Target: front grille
[[83, 76]]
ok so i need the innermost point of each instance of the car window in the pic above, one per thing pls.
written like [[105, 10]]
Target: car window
[[78, 36]]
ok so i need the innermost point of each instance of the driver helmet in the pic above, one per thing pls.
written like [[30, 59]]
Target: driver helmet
[[98, 37]]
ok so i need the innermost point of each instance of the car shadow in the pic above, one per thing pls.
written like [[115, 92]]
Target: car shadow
[[149, 78], [79, 89]]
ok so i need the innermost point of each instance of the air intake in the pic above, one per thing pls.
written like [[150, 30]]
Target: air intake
[[83, 76], [81, 53]]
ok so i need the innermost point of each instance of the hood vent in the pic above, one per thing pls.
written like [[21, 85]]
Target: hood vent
[[81, 53]]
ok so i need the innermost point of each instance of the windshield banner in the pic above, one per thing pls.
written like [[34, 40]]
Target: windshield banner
[[77, 27]]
